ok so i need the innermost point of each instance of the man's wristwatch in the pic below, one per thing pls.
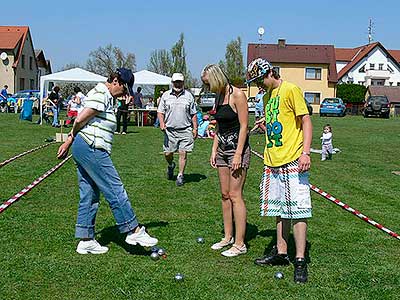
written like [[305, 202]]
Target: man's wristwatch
[[305, 153]]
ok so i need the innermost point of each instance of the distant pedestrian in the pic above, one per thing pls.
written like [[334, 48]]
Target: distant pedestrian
[[326, 141], [122, 111], [54, 99], [178, 121], [138, 98]]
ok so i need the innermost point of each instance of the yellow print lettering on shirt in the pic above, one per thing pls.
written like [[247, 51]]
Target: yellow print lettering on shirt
[[274, 127]]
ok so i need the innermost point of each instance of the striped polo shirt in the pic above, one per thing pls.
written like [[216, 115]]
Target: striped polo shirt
[[99, 131]]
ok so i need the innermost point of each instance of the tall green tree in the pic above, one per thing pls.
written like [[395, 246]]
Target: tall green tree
[[106, 59], [233, 64]]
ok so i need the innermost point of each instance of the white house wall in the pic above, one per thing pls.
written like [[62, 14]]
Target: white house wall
[[377, 56], [340, 65]]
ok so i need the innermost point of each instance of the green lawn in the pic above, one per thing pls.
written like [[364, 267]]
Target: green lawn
[[349, 259]]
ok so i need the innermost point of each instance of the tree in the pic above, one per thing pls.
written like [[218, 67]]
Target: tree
[[160, 62], [233, 64], [350, 92], [106, 59], [70, 66]]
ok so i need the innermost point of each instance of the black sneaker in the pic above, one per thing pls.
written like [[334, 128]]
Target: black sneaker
[[300, 270], [170, 171], [180, 180], [273, 259]]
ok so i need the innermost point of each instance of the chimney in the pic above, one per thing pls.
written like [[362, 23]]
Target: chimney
[[281, 43]]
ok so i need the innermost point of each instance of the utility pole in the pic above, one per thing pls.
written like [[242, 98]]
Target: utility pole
[[370, 31]]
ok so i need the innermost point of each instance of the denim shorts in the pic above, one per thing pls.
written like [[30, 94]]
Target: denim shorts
[[224, 157]]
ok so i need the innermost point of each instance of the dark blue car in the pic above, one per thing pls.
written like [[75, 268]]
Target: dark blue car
[[332, 106]]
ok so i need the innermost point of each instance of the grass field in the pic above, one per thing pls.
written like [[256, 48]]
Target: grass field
[[349, 259]]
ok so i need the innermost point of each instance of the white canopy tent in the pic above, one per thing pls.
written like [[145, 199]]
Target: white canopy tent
[[147, 80], [72, 75]]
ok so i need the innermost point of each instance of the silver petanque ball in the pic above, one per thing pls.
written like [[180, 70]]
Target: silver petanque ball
[[154, 256], [200, 240], [154, 249], [179, 277], [161, 252], [278, 275]]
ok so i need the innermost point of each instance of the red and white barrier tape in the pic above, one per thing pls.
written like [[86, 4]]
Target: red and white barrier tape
[[17, 196], [2, 164], [346, 207]]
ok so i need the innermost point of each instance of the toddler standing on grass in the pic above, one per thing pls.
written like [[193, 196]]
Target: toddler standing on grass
[[326, 140]]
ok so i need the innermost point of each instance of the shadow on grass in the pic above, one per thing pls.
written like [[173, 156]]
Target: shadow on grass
[[111, 234], [194, 177]]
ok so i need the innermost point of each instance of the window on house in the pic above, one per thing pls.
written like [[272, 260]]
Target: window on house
[[389, 68], [362, 69], [23, 61], [372, 66], [30, 63], [361, 82], [380, 66], [380, 82], [312, 98], [313, 73], [32, 84], [398, 84], [390, 83], [350, 80], [22, 83]]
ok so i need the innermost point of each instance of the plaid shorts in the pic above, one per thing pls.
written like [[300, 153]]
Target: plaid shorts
[[285, 193]]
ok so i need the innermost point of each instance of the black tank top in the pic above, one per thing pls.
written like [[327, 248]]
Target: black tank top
[[227, 118]]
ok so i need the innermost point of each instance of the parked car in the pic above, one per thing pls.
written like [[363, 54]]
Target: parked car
[[377, 106], [207, 101], [251, 103], [332, 106]]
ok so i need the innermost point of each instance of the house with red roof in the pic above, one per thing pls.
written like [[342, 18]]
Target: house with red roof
[[18, 65], [311, 67], [369, 65]]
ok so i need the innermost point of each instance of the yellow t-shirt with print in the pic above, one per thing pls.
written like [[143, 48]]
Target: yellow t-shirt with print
[[284, 107]]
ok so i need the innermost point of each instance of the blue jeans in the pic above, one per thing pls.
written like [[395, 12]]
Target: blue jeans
[[55, 116], [96, 173]]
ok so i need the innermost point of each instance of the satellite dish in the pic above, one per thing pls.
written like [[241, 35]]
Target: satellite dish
[[3, 56], [260, 30]]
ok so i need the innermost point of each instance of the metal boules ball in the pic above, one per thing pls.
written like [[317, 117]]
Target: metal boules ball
[[154, 249], [278, 275], [161, 252], [154, 256], [200, 240], [179, 277]]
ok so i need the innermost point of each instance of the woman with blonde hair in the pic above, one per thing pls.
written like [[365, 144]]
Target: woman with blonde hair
[[230, 155]]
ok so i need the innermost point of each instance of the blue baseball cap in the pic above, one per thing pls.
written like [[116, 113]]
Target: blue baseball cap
[[127, 78]]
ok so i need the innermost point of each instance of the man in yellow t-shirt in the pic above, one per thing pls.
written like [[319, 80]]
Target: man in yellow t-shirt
[[284, 189]]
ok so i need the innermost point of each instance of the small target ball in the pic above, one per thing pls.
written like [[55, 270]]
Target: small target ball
[[179, 277], [278, 275], [154, 256], [200, 240]]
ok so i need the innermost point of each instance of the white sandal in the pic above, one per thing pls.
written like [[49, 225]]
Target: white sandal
[[235, 250], [223, 243]]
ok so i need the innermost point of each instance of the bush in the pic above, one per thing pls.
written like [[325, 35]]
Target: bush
[[351, 93]]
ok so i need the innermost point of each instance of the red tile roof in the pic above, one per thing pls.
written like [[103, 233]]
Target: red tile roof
[[395, 54], [360, 53], [309, 54], [345, 54], [11, 36], [391, 92]]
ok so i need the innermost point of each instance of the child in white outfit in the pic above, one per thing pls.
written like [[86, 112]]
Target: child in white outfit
[[326, 140]]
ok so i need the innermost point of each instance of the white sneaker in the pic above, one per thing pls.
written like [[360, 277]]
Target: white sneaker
[[323, 159], [235, 250], [91, 246], [223, 243], [142, 238]]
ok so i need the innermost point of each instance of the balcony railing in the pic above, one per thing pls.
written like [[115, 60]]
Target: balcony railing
[[377, 74]]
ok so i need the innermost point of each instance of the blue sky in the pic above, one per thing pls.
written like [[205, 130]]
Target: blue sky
[[69, 30]]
